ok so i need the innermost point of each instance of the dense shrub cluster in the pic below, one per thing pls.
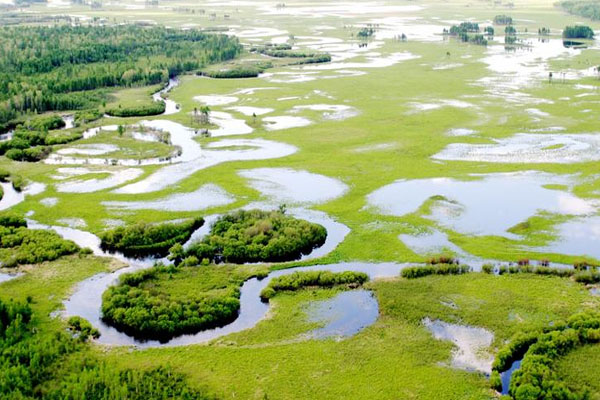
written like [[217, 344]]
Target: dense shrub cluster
[[303, 279], [152, 108], [55, 367], [62, 67], [503, 20], [538, 270], [256, 236], [584, 8], [238, 71], [31, 140], [467, 32], [578, 32], [316, 59], [85, 116], [463, 27], [582, 272], [82, 328], [536, 379], [20, 245], [142, 240], [366, 32], [137, 307], [588, 277], [437, 269]]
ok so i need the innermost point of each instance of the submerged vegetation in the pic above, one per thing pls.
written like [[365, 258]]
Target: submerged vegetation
[[142, 239], [255, 236]]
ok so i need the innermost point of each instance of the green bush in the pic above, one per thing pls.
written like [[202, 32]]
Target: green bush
[[36, 365], [138, 308], [258, 236], [487, 268], [44, 123], [496, 381], [18, 183], [153, 108], [536, 379], [238, 71], [578, 32], [20, 245], [12, 220], [587, 277], [87, 116], [82, 328], [438, 269], [142, 240], [503, 20], [63, 137], [303, 279]]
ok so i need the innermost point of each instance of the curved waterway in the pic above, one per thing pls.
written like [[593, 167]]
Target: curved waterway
[[87, 299], [170, 106]]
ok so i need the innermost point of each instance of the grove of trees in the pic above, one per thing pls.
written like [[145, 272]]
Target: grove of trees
[[256, 236], [56, 366], [21, 245], [143, 240], [63, 67], [140, 308]]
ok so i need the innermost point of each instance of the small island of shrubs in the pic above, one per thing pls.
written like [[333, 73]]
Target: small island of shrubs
[[305, 279], [145, 240], [254, 236], [20, 245], [150, 304]]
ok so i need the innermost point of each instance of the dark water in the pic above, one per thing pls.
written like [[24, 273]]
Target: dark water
[[506, 375]]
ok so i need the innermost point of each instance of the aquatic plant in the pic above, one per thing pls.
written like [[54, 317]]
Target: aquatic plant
[[438, 269]]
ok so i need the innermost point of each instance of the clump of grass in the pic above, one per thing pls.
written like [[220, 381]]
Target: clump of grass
[[303, 279], [437, 269]]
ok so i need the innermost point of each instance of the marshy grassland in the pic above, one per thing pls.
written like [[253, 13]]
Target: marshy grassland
[[408, 146]]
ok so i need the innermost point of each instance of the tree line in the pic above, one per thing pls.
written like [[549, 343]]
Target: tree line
[[56, 67]]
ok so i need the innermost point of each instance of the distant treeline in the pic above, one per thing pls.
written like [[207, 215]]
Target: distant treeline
[[587, 8], [61, 67]]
